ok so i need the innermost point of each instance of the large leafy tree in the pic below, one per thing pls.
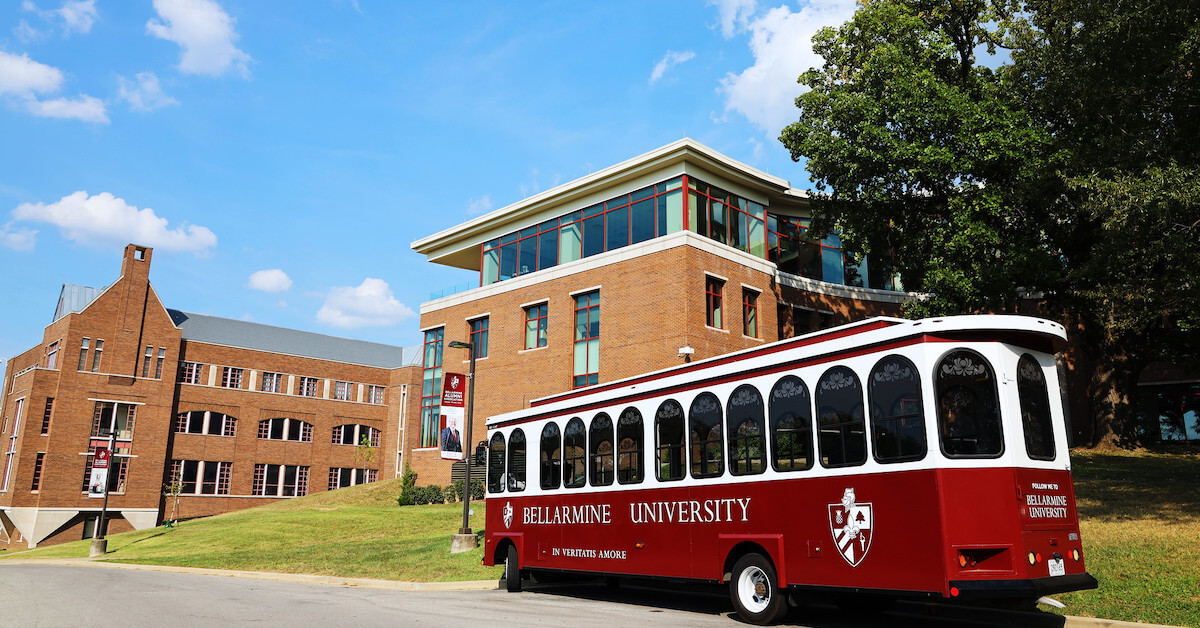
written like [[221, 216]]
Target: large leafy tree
[[1004, 151]]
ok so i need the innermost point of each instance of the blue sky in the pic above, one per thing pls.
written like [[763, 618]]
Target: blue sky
[[280, 156]]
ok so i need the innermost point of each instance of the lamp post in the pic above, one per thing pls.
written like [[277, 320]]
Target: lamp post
[[99, 543], [466, 524]]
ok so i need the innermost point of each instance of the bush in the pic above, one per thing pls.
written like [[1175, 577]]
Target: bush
[[451, 493], [476, 488], [408, 487], [428, 495]]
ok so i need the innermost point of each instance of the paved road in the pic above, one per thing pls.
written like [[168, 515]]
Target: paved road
[[78, 595]]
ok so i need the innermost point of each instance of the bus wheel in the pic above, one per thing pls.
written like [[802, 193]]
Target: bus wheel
[[512, 571], [755, 592]]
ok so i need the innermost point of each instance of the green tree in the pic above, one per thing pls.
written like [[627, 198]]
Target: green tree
[[1066, 172]]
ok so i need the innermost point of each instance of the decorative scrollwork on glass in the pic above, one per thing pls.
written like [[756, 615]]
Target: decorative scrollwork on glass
[[670, 410], [788, 388], [1029, 371], [838, 380], [705, 404], [745, 396], [962, 366], [894, 371]]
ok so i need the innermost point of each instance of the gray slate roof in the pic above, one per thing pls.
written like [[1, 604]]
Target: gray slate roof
[[234, 333]]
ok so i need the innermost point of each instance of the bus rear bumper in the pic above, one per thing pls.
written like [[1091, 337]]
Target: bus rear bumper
[[1023, 588]]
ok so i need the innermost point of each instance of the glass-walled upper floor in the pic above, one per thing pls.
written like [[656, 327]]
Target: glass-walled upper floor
[[661, 209]]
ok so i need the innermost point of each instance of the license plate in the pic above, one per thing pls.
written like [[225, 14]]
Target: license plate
[[1057, 568]]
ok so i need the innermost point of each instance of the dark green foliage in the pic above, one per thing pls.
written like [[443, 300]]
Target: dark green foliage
[[1068, 172], [476, 488], [408, 487]]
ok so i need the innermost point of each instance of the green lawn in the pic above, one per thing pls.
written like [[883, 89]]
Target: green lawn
[[1140, 518], [356, 532]]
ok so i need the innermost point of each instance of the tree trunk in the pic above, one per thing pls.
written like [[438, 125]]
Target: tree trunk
[[1112, 392]]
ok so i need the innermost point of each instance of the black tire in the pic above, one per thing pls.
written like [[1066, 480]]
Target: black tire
[[512, 571], [755, 592]]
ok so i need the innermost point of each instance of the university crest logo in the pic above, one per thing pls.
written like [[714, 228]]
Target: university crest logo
[[850, 524], [454, 383], [508, 514]]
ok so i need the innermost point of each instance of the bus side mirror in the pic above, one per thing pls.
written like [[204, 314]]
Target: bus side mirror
[[481, 453]]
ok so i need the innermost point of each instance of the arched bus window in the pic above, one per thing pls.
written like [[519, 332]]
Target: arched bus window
[[791, 425], [574, 454], [668, 429], [600, 452], [705, 436], [843, 440], [551, 455], [897, 421], [1035, 409], [629, 446], [495, 464], [746, 417], [968, 410], [516, 460]]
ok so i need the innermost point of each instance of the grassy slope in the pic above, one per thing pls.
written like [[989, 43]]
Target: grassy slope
[[1140, 521], [1140, 515], [356, 532]]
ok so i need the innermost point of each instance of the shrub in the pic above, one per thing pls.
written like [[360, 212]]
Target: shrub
[[451, 493], [408, 487], [476, 488]]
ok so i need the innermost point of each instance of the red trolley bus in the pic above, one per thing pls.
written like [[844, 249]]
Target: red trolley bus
[[887, 457]]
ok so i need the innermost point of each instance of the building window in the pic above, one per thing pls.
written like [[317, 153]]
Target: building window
[[146, 361], [205, 422], [285, 428], [309, 387], [189, 372], [354, 434], [342, 477], [47, 415], [375, 394], [479, 336], [535, 326], [270, 383], [713, 288], [649, 212], [96, 355], [158, 367], [202, 477], [37, 471], [52, 355], [586, 367], [110, 417], [278, 480], [341, 391], [118, 469], [750, 312], [431, 388], [231, 377], [726, 218], [83, 351], [12, 445]]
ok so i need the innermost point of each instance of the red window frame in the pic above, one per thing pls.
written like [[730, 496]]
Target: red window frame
[[479, 336], [536, 314], [750, 312], [589, 303], [713, 292]]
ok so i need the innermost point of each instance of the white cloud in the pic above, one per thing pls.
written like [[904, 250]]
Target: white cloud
[[481, 205], [86, 108], [23, 76], [370, 304], [669, 60], [104, 219], [144, 95], [78, 15], [23, 80], [205, 33], [18, 238], [272, 280], [781, 42], [27, 33], [734, 15]]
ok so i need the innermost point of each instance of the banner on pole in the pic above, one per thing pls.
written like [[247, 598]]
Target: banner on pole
[[99, 477], [454, 399]]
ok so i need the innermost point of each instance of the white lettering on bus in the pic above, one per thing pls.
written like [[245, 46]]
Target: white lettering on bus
[[555, 515], [1046, 506], [1044, 487], [688, 511]]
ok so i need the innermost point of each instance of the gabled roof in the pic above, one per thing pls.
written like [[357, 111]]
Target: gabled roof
[[245, 335], [73, 299]]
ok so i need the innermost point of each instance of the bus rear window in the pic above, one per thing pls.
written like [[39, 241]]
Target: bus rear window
[[968, 411], [1035, 409], [495, 464]]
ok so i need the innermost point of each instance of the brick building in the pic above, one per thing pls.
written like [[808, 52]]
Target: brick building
[[242, 413], [681, 253]]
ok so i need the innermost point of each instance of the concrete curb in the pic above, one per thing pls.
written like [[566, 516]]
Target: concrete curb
[[366, 583], [393, 585]]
